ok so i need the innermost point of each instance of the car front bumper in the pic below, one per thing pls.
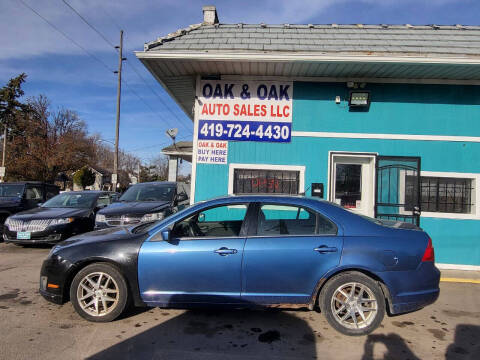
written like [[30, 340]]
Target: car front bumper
[[53, 279], [51, 235]]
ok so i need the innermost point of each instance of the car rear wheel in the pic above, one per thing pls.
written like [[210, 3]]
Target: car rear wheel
[[99, 293], [353, 303]]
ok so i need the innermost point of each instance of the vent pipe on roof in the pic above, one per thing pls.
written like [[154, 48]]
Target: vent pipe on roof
[[210, 16]]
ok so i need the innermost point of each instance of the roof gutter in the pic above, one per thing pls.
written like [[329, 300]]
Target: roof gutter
[[304, 57]]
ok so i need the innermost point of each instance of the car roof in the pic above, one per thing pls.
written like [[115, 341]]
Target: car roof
[[27, 183], [88, 192], [171, 183]]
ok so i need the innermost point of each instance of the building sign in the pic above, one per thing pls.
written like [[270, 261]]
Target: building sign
[[212, 152], [245, 110]]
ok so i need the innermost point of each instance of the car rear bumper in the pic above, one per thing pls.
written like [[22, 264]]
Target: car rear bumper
[[415, 289], [414, 301]]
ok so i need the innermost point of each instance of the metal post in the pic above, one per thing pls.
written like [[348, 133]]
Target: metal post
[[2, 178], [117, 125]]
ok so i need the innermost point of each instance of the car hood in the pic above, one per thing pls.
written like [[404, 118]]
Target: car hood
[[109, 234], [9, 201], [51, 213], [134, 208]]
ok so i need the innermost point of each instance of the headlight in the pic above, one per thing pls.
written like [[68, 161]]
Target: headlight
[[61, 221], [153, 217], [100, 218], [7, 222]]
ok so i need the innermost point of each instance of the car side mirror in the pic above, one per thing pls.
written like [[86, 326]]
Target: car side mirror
[[166, 235], [40, 204]]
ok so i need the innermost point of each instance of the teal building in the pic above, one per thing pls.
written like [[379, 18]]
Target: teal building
[[381, 119]]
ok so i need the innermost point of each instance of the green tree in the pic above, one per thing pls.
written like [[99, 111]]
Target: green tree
[[9, 104], [10, 107], [84, 177]]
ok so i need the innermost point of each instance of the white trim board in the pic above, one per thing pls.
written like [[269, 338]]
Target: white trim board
[[278, 56], [322, 134], [233, 166], [195, 143], [330, 79], [458, 267]]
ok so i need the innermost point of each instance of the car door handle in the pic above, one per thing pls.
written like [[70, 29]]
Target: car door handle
[[223, 251], [325, 249]]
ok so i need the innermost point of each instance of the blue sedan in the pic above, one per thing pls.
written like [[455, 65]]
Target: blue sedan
[[250, 251]]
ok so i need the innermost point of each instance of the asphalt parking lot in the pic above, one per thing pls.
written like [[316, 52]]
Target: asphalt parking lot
[[32, 328]]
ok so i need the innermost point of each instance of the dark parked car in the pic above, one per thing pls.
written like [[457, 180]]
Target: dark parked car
[[20, 196], [62, 216], [250, 251], [143, 202]]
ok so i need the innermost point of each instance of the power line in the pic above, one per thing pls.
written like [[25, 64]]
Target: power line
[[156, 145], [128, 64], [83, 49], [90, 25], [160, 98], [66, 36]]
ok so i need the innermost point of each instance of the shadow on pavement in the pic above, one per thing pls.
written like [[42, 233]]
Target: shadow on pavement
[[396, 346], [466, 344], [218, 334]]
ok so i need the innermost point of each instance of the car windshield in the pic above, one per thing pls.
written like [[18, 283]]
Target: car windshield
[[72, 200], [11, 190], [146, 227], [149, 192]]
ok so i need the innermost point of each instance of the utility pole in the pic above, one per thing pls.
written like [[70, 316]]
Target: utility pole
[[117, 125], [138, 172]]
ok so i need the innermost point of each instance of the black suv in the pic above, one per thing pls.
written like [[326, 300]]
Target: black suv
[[21, 196], [144, 202]]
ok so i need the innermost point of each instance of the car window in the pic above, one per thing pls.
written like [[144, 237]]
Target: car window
[[72, 200], [276, 219], [220, 221], [51, 192], [149, 192], [34, 193], [103, 200], [10, 190]]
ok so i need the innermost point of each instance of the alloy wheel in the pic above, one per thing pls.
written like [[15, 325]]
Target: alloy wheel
[[98, 294], [354, 305]]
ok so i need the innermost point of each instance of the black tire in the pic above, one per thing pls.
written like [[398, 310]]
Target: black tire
[[338, 309], [117, 281]]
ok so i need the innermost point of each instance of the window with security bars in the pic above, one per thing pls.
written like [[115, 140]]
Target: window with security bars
[[443, 194], [254, 181]]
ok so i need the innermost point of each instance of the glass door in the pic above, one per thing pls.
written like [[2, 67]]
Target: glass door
[[352, 182]]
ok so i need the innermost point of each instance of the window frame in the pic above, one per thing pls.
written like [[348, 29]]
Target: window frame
[[243, 228], [254, 221], [475, 196]]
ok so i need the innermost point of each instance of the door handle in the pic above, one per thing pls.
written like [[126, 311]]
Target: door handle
[[223, 251], [323, 249]]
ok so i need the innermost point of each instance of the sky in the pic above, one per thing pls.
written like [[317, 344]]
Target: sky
[[75, 70]]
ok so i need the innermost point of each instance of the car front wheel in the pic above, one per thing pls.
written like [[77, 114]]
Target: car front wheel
[[353, 303], [99, 292]]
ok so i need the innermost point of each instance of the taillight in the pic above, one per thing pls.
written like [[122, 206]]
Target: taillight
[[429, 254]]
